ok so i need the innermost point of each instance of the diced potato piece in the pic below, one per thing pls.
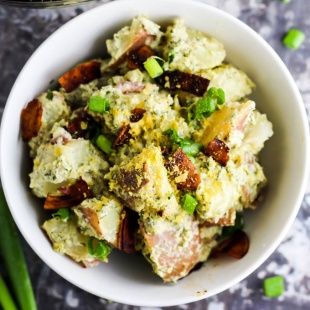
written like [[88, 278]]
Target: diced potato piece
[[235, 83], [257, 133], [172, 247], [54, 110], [192, 51], [216, 194], [60, 164], [226, 124], [143, 184], [249, 177], [142, 31], [208, 240], [67, 239], [100, 218]]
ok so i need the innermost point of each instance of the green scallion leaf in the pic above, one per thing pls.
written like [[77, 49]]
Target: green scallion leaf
[[98, 104], [190, 147], [274, 286], [170, 56], [49, 95], [104, 144], [6, 300], [101, 250], [173, 135], [205, 107], [294, 38], [63, 213], [189, 203], [220, 96], [153, 68]]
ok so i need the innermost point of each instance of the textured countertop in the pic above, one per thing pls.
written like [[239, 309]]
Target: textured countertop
[[22, 31]]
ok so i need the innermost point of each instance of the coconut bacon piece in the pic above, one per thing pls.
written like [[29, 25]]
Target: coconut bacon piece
[[177, 80], [218, 150], [184, 171], [31, 118], [72, 195], [122, 136], [127, 229], [236, 246], [136, 115], [81, 74], [137, 58]]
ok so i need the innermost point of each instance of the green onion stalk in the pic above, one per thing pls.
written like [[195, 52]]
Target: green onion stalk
[[14, 260]]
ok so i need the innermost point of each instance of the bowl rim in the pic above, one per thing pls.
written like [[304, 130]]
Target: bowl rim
[[299, 197]]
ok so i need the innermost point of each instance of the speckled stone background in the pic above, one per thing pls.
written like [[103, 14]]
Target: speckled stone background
[[21, 32]]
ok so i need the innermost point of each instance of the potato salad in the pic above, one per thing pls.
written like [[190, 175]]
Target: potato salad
[[151, 150]]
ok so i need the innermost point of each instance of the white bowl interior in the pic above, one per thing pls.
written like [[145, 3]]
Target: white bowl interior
[[129, 279]]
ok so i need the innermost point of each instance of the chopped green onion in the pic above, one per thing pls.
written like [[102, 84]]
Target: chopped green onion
[[100, 251], [170, 56], [98, 104], [274, 286], [173, 135], [205, 107], [189, 203], [190, 148], [294, 38], [104, 144], [220, 96], [193, 160], [64, 214], [6, 300], [50, 95], [153, 68]]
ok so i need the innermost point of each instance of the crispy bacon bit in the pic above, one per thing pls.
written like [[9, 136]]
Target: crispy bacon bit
[[127, 87], [177, 80], [127, 229], [164, 150], [123, 136], [136, 114], [137, 58], [31, 118], [78, 127], [92, 218], [218, 150], [82, 74], [139, 40], [72, 195], [236, 246], [183, 170], [133, 180]]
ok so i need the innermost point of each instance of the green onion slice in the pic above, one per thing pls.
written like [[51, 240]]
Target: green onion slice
[[274, 286], [98, 104], [101, 250], [104, 144], [190, 148], [294, 38], [153, 68], [50, 95], [189, 203], [64, 214]]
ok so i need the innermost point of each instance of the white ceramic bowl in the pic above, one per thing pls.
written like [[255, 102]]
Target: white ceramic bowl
[[128, 279]]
